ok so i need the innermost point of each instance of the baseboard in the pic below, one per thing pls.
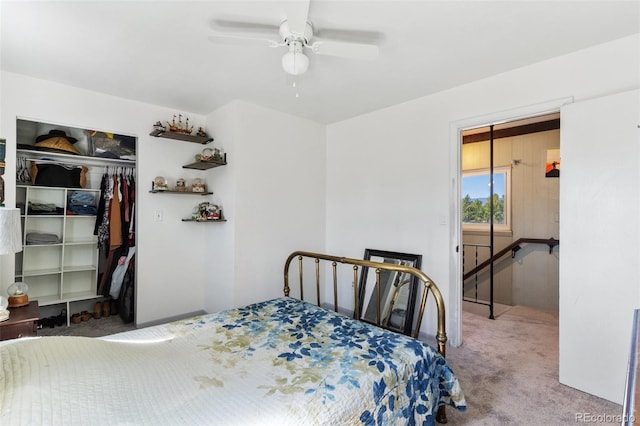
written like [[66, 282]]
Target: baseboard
[[170, 319]]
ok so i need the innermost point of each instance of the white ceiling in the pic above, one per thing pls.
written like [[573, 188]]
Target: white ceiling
[[158, 52]]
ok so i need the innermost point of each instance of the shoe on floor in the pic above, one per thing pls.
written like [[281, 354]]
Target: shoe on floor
[[97, 310]]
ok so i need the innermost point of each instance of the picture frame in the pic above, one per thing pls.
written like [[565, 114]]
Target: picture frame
[[396, 316]]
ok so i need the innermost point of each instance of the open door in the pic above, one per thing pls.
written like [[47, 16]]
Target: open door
[[599, 274]]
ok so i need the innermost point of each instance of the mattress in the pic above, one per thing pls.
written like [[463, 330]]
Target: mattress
[[280, 362]]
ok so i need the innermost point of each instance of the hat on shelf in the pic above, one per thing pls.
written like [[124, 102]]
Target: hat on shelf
[[58, 141], [53, 133]]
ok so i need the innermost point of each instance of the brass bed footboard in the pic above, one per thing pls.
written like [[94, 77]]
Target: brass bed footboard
[[428, 286]]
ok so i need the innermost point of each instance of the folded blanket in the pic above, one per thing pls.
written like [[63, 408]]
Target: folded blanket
[[82, 199], [82, 210], [44, 208], [42, 238]]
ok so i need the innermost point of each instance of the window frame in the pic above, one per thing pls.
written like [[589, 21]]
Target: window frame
[[485, 227]]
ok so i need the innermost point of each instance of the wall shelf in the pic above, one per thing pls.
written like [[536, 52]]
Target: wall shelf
[[204, 221], [181, 136], [206, 165], [153, 191]]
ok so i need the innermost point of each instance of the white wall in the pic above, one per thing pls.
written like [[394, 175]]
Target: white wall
[[220, 237], [388, 172], [599, 268], [165, 249], [274, 194]]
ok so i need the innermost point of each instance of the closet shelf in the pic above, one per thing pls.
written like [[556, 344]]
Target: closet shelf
[[39, 272], [66, 297], [42, 245], [181, 136], [79, 268], [81, 160]]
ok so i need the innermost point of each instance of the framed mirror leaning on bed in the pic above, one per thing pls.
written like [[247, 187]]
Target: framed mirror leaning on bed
[[398, 315]]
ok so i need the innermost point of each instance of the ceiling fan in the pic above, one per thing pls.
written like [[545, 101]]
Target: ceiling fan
[[296, 33]]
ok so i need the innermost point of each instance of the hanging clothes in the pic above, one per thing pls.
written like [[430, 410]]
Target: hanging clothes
[[101, 228], [118, 274], [126, 299], [115, 229], [115, 219]]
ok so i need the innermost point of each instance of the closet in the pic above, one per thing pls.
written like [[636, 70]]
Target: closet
[[76, 189]]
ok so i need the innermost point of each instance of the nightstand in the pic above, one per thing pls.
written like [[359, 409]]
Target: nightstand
[[22, 322]]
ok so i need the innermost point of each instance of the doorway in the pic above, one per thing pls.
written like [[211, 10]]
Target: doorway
[[456, 129], [512, 170]]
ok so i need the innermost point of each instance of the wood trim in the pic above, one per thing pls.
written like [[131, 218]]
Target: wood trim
[[525, 129]]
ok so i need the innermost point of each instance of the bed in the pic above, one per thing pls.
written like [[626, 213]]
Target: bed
[[284, 361]]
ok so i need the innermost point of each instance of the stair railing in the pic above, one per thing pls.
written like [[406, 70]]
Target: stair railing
[[514, 247]]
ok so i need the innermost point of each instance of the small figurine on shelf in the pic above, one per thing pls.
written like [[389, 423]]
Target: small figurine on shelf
[[206, 155], [179, 127], [217, 155], [198, 186], [160, 184], [158, 126], [181, 185], [214, 213], [201, 212], [201, 132], [206, 211]]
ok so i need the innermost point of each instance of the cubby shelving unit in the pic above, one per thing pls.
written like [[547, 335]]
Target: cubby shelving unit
[[61, 272]]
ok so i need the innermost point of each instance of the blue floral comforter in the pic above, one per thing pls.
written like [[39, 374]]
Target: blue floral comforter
[[333, 367], [280, 362]]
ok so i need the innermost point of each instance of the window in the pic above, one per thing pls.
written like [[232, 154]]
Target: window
[[475, 199]]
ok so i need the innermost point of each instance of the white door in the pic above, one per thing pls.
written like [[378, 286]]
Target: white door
[[600, 231]]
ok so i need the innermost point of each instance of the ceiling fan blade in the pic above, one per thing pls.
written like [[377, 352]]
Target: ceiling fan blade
[[366, 52], [247, 40], [297, 16], [232, 23], [350, 36]]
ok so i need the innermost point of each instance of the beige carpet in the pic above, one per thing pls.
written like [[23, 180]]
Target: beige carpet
[[92, 328], [508, 369], [478, 309]]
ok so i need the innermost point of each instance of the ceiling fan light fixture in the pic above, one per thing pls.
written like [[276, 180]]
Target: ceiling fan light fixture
[[295, 62]]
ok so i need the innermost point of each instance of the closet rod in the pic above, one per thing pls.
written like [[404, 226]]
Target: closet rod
[[72, 159], [127, 170]]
